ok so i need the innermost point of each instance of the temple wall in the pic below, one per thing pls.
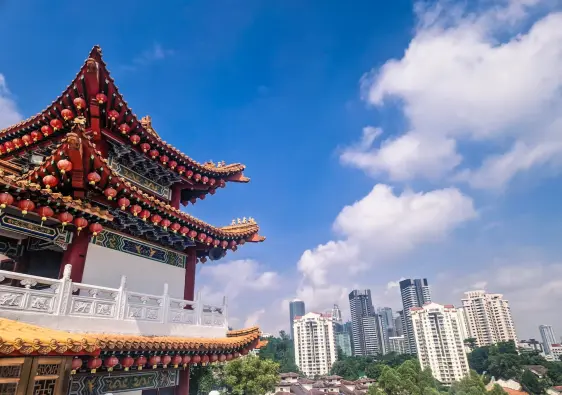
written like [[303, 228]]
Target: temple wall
[[105, 266]]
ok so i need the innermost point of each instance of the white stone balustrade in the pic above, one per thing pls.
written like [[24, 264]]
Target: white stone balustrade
[[77, 307]]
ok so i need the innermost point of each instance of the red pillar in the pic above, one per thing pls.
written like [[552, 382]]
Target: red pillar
[[183, 386], [75, 255], [176, 196], [189, 285]]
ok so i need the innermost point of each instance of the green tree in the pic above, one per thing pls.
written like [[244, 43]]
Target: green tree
[[251, 376], [497, 390], [473, 385], [505, 366], [201, 379], [478, 359], [531, 383], [281, 350], [374, 370]]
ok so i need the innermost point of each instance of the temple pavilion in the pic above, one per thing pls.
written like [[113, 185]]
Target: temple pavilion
[[97, 264]]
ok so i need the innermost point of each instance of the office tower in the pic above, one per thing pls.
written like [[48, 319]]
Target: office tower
[[375, 341], [336, 314], [343, 342], [439, 343], [396, 344], [488, 318], [296, 309], [348, 328], [398, 323], [548, 338], [362, 313], [315, 344], [415, 293], [388, 319]]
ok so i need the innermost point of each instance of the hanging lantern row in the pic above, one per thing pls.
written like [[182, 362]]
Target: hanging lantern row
[[154, 361]]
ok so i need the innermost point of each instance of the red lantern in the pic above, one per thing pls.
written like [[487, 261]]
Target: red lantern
[[26, 138], [80, 223], [209, 240], [17, 142], [113, 115], [202, 196], [244, 351], [67, 114], [145, 147], [176, 360], [46, 130], [189, 174], [2, 149], [192, 234], [123, 203], [212, 181], [50, 181], [155, 219], [65, 218], [111, 362], [204, 359], [197, 177], [124, 128], [154, 153], [127, 362], [229, 357], [224, 244], [181, 169], [25, 206], [196, 359], [203, 260], [202, 237], [214, 358], [9, 146], [232, 244], [222, 358], [45, 212], [172, 164], [5, 200], [140, 362], [154, 361], [212, 191], [164, 159], [109, 193], [145, 214], [36, 136], [64, 165], [135, 139], [56, 124], [184, 230], [136, 209], [76, 364], [94, 178], [241, 242], [175, 227], [205, 179], [166, 359], [95, 229], [236, 355], [79, 103], [101, 98], [222, 183], [165, 223], [94, 364], [185, 360]]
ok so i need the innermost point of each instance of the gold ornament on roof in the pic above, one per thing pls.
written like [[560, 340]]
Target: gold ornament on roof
[[80, 120]]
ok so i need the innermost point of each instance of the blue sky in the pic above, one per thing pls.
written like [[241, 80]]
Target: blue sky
[[384, 140]]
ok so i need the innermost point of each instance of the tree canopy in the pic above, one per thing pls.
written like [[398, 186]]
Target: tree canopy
[[251, 376], [352, 368], [281, 350]]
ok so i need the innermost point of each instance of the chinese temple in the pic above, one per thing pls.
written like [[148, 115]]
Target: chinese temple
[[97, 258]]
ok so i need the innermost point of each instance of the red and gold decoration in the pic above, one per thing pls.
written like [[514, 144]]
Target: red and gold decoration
[[64, 166], [96, 229], [113, 115], [75, 365], [136, 209], [94, 364], [154, 361], [45, 212], [124, 128], [5, 200], [127, 362], [166, 359], [111, 362], [50, 181], [94, 178], [101, 98], [135, 139], [67, 114], [65, 218], [80, 223], [110, 193], [79, 103], [25, 206], [123, 203], [56, 124], [140, 362]]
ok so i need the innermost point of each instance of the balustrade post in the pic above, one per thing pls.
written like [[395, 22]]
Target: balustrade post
[[64, 291], [165, 304], [199, 308], [122, 298], [225, 311]]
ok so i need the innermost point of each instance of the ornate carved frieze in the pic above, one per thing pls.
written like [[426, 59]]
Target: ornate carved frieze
[[137, 247], [10, 247], [60, 237], [112, 383]]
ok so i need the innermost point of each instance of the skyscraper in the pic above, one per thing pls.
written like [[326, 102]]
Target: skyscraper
[[296, 309], [488, 318], [439, 342], [315, 344], [388, 320], [368, 331], [415, 293], [548, 338], [398, 323], [336, 314]]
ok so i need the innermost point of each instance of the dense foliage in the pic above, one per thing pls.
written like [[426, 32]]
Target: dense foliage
[[352, 368], [281, 350]]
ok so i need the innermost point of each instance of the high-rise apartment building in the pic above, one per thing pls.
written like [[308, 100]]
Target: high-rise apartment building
[[488, 318], [548, 338], [296, 309], [439, 342], [396, 344], [315, 344], [361, 306], [343, 342], [388, 320], [415, 293]]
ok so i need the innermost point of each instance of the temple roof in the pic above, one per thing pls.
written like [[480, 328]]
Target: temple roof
[[21, 338]]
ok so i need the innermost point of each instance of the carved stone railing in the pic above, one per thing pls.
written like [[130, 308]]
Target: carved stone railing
[[40, 295]]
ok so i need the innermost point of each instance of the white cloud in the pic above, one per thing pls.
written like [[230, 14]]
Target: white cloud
[[9, 114], [374, 230], [458, 82], [254, 318]]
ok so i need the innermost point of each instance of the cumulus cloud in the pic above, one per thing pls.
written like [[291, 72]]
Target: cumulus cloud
[[8, 110], [469, 77], [374, 230]]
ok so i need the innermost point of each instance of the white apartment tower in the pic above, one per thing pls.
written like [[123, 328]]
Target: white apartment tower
[[439, 343], [315, 344], [488, 318]]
